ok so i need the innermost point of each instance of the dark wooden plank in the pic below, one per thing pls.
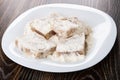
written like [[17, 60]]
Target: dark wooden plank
[[107, 69]]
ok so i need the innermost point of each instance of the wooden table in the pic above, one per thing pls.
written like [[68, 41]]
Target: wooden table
[[107, 69]]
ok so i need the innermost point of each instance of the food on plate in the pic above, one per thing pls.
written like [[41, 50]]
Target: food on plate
[[73, 44], [55, 37], [35, 45], [42, 27]]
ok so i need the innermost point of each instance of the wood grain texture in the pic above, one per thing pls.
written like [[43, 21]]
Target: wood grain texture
[[107, 69]]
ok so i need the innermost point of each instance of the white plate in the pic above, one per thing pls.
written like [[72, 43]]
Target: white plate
[[104, 33]]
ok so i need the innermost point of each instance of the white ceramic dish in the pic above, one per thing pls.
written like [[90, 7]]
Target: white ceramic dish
[[104, 33]]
